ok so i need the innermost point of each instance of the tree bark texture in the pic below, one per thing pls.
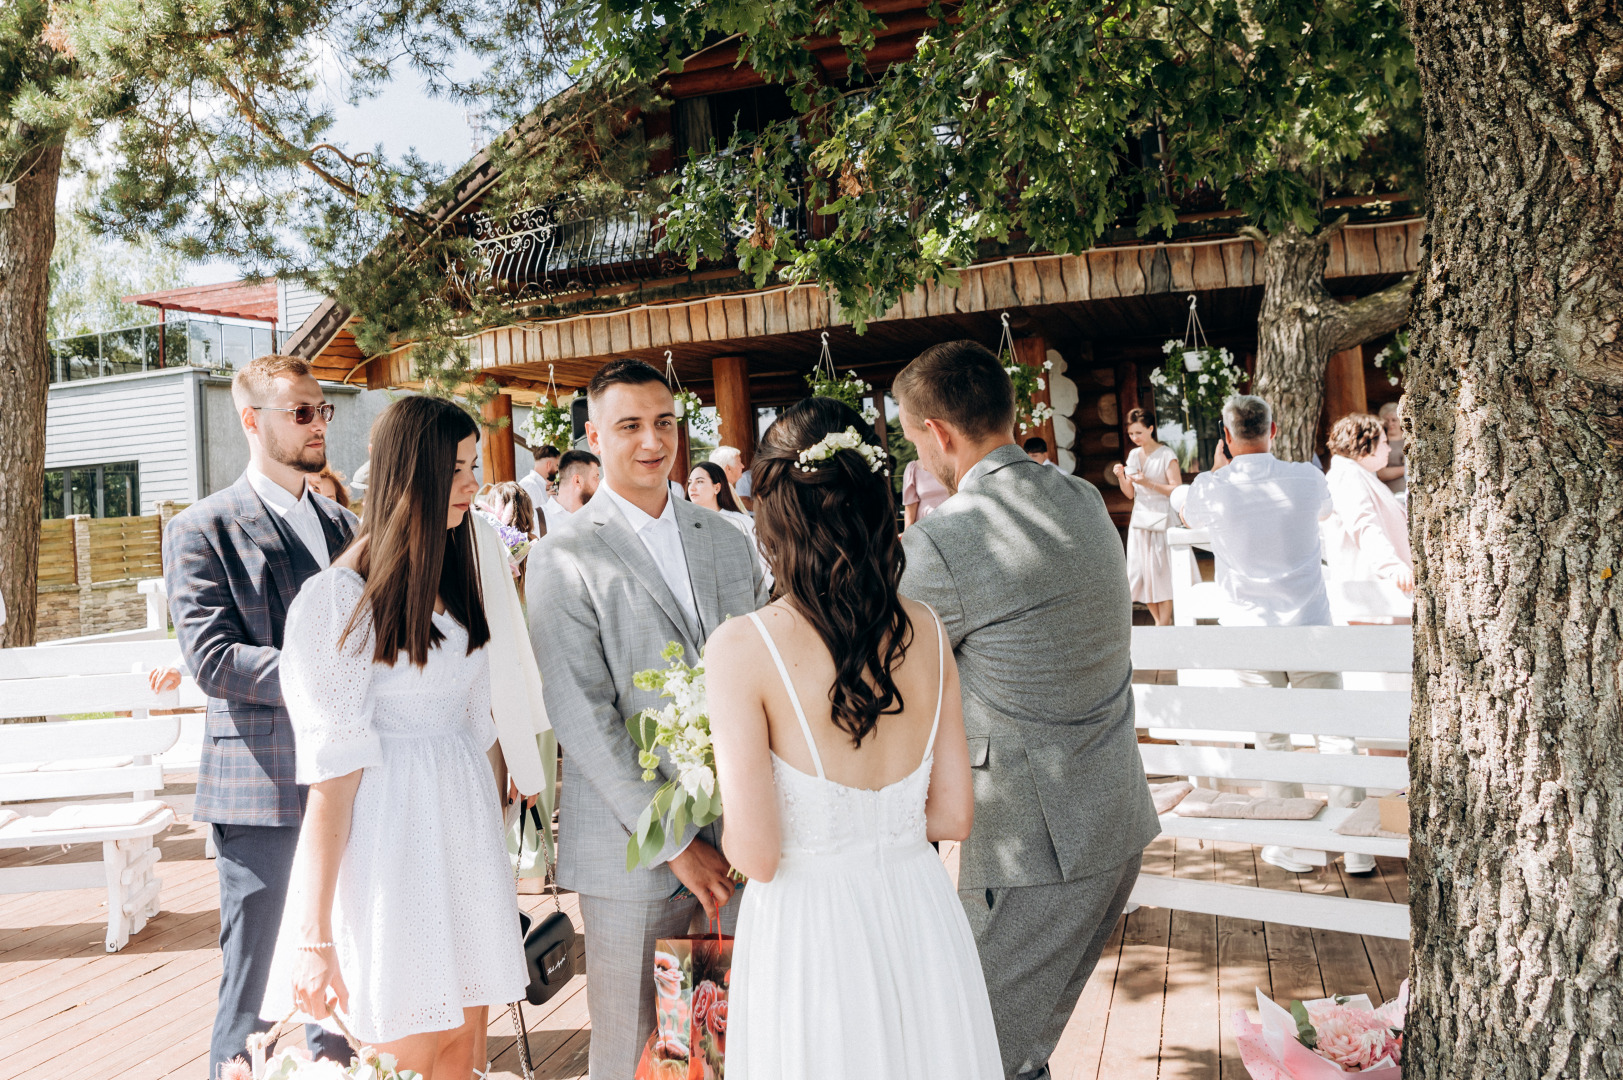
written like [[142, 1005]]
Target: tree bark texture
[[27, 235], [1515, 403], [1301, 325]]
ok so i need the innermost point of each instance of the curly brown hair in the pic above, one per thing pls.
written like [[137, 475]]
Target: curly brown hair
[[1356, 435], [829, 534]]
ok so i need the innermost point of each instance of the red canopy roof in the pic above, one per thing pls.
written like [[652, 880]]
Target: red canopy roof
[[234, 299]]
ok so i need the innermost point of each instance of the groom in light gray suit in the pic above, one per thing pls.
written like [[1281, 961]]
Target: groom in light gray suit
[[634, 569], [1028, 575]]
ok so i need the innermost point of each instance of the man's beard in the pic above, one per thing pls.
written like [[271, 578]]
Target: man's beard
[[296, 455]]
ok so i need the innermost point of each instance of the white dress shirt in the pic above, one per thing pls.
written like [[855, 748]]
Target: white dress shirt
[[535, 485], [555, 512], [300, 513], [1263, 517], [663, 539]]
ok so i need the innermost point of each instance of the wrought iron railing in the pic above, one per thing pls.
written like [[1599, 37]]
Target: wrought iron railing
[[547, 250]]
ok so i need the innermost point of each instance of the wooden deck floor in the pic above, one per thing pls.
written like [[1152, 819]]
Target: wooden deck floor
[[1158, 1005]]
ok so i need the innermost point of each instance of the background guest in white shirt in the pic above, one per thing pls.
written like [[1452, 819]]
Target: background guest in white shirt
[[1263, 515], [731, 460], [1036, 449], [538, 482], [579, 473], [708, 487]]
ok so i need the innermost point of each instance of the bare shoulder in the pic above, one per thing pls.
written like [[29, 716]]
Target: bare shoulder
[[733, 638]]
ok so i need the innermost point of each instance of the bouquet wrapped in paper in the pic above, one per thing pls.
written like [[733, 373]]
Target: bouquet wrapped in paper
[[1326, 1039], [294, 1064], [682, 727]]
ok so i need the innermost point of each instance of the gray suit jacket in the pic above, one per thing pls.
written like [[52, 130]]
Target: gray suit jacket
[[599, 613], [1030, 580], [231, 569]]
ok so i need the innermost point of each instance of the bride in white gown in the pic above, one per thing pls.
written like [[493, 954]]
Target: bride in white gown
[[840, 752]]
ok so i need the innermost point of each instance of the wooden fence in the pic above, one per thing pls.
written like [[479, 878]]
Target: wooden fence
[[82, 550]]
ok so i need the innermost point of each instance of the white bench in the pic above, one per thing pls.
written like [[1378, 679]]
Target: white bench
[[1230, 713], [54, 772]]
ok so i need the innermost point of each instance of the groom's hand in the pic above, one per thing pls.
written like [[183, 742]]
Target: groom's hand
[[704, 871]]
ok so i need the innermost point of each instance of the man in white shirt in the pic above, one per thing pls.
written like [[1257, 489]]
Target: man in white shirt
[[1036, 449], [537, 483], [579, 473], [1263, 515], [731, 460], [635, 569]]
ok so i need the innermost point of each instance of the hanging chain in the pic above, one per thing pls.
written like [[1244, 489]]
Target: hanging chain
[[552, 387], [825, 363], [1193, 332], [670, 373]]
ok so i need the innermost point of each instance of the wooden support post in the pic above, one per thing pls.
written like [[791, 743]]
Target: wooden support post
[[1126, 402], [1344, 390], [1032, 351], [880, 427], [498, 440], [733, 405], [684, 457]]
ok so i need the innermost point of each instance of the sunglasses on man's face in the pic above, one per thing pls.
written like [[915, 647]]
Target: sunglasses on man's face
[[303, 414]]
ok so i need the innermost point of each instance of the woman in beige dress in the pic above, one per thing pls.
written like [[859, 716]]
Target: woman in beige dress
[[1148, 478]]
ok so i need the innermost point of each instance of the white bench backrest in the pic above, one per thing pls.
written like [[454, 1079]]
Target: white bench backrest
[[65, 741], [1204, 710], [102, 658]]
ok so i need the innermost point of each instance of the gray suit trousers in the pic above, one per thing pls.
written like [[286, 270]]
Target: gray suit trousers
[[620, 936], [1038, 945]]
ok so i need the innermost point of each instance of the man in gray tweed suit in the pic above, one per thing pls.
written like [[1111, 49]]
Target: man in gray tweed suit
[[1029, 577], [232, 563], [632, 570]]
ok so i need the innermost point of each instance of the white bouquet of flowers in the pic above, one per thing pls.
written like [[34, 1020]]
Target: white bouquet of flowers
[[295, 1063], [682, 727]]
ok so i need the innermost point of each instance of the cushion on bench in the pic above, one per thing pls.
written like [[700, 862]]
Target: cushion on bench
[[98, 816], [1206, 803], [1166, 796], [1365, 820]]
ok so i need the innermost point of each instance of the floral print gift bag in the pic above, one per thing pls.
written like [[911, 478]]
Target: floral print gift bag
[[691, 976]]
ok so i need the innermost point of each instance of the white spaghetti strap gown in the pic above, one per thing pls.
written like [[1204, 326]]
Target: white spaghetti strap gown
[[856, 962]]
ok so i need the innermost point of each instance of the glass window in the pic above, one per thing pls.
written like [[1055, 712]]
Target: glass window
[[262, 338], [236, 345], [112, 490], [55, 481], [120, 485], [174, 344]]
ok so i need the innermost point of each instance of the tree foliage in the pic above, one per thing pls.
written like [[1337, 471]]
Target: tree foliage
[[90, 276], [1022, 121]]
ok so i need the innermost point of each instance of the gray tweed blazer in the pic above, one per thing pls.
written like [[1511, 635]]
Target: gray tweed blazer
[[1030, 580], [600, 612], [231, 569]]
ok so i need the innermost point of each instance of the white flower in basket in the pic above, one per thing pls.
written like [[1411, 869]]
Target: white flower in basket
[[295, 1064]]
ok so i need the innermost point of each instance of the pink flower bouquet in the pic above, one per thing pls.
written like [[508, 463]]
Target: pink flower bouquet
[[1326, 1039]]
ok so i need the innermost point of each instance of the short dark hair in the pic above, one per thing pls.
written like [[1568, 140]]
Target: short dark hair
[[545, 451], [575, 461], [1141, 416], [959, 382], [1035, 445], [621, 373]]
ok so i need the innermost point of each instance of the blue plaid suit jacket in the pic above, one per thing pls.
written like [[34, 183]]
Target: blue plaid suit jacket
[[231, 571]]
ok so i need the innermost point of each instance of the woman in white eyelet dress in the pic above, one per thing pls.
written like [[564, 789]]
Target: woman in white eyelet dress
[[854, 959], [401, 900]]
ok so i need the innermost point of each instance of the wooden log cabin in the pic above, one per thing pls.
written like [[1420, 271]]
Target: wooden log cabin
[[591, 289]]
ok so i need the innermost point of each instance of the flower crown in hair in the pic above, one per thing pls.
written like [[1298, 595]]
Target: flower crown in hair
[[835, 441]]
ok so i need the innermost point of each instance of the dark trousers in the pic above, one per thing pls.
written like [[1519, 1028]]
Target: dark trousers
[[1038, 945], [254, 863]]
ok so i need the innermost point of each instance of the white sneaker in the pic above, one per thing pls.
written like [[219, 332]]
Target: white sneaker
[[1274, 855], [1359, 864]]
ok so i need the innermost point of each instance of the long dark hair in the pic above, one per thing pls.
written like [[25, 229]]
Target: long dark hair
[[410, 558], [830, 535], [718, 476]]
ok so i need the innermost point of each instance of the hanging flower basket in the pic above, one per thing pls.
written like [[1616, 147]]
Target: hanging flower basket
[[1029, 413], [824, 381], [689, 409], [551, 420], [1394, 359], [1192, 387]]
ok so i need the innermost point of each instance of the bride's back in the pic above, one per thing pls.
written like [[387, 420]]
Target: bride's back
[[895, 747]]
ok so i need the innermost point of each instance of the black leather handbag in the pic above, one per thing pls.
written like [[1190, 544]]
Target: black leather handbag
[[549, 943]]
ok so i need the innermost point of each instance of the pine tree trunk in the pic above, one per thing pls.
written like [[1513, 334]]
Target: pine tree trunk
[[1302, 325], [1516, 497], [27, 235]]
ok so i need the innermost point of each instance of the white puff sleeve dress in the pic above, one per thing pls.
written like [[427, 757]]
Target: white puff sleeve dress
[[425, 918]]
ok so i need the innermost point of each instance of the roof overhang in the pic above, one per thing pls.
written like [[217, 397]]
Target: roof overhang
[[232, 300]]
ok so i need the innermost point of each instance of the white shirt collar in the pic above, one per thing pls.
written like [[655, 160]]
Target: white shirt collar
[[638, 518], [276, 496]]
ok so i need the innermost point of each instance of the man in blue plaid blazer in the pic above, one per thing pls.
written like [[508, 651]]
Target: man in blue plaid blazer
[[232, 565]]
